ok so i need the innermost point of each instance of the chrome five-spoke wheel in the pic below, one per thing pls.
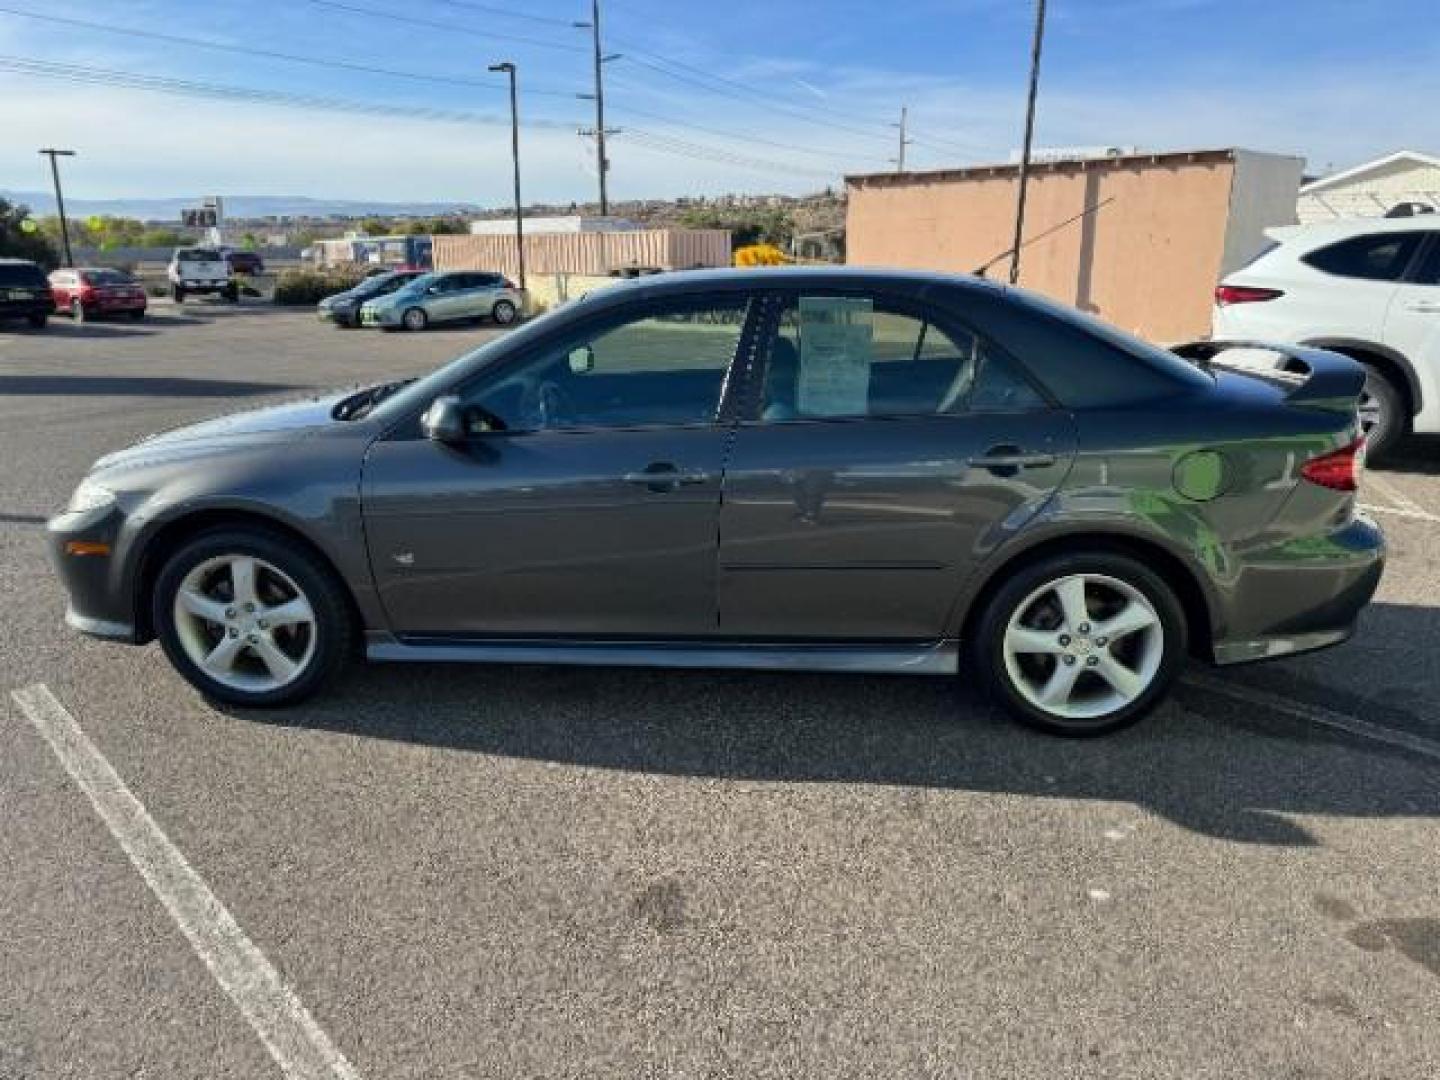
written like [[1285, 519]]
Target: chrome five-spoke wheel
[[1083, 646], [251, 616], [1080, 644], [245, 623]]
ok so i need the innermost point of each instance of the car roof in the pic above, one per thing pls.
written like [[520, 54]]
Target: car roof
[[11, 261], [1341, 228], [788, 277]]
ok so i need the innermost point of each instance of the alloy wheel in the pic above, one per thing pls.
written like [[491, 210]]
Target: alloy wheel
[[245, 623], [1083, 646]]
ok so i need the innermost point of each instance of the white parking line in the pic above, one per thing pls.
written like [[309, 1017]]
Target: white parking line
[[1394, 494], [284, 1025], [1417, 515], [1319, 716]]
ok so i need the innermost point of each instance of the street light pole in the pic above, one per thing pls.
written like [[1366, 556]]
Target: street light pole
[[1029, 138], [60, 199], [509, 69]]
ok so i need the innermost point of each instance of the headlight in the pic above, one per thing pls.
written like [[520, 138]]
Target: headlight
[[90, 496]]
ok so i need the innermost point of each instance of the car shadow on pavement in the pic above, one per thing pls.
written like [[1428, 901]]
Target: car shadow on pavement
[[92, 329], [1237, 773], [1417, 454], [137, 386]]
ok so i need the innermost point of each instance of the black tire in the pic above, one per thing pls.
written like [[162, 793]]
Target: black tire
[[137, 313], [503, 312], [1391, 419], [334, 625], [177, 294], [231, 293], [987, 649], [38, 320], [77, 311], [415, 319]]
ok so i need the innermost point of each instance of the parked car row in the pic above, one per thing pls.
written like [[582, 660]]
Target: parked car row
[[410, 300]]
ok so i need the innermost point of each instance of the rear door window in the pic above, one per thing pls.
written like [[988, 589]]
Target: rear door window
[[1377, 257], [1429, 271], [849, 356]]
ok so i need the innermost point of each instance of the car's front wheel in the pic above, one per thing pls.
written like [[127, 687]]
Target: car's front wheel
[[250, 618], [1382, 413], [1080, 644], [415, 319]]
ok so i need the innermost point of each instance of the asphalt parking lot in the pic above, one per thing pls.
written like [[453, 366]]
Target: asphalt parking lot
[[539, 872]]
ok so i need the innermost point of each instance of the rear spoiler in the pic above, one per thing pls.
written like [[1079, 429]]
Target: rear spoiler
[[1318, 378]]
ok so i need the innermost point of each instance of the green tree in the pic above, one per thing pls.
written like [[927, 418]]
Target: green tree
[[375, 227], [22, 238], [162, 238], [747, 227]]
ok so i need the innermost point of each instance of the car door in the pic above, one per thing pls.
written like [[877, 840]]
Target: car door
[[883, 450], [584, 499], [443, 300], [1413, 317]]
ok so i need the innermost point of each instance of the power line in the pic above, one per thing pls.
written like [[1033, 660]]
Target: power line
[[507, 13], [745, 137], [448, 27], [93, 76], [686, 148], [245, 50], [79, 73]]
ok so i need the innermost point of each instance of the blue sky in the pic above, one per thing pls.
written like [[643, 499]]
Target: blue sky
[[805, 90]]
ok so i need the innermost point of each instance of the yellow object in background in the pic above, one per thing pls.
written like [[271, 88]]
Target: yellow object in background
[[760, 255]]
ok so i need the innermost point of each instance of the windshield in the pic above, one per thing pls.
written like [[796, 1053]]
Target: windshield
[[198, 255], [107, 277]]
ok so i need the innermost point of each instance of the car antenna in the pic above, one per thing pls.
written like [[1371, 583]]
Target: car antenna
[[1040, 236]]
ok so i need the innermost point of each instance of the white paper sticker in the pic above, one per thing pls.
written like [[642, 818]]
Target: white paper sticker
[[836, 336]]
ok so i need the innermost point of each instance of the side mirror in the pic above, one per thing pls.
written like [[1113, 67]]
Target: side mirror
[[433, 290], [444, 420], [582, 360]]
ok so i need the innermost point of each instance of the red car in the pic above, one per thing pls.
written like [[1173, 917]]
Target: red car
[[89, 291]]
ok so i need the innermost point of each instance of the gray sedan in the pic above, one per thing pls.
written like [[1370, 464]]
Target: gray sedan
[[453, 296], [832, 471]]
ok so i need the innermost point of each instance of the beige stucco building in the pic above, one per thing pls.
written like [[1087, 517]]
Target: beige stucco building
[[1160, 231]]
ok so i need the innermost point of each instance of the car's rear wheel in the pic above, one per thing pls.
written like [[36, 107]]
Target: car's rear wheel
[[503, 313], [38, 320], [1080, 644], [250, 618], [77, 311], [177, 294], [415, 319], [1382, 413], [137, 313]]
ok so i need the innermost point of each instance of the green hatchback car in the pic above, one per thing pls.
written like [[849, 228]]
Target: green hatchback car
[[452, 296]]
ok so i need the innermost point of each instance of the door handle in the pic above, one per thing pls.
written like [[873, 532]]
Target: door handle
[[1011, 458], [662, 476], [1428, 306]]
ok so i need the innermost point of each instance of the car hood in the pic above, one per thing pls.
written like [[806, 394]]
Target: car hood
[[287, 421]]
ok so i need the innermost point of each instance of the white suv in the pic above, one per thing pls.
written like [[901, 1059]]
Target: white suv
[[1368, 288]]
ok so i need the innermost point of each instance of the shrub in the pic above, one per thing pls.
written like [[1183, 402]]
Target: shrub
[[303, 287]]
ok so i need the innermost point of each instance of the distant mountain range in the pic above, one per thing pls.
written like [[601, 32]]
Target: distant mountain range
[[236, 206]]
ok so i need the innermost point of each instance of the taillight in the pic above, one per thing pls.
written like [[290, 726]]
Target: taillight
[[1225, 295], [1338, 470]]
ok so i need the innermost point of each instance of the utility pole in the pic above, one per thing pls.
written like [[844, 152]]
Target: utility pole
[[601, 159], [509, 69], [60, 199], [904, 142], [1029, 138]]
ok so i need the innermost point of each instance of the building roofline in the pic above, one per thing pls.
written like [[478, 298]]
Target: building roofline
[[1010, 168], [1369, 166]]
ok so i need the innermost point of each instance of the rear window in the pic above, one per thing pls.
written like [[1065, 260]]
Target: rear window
[[1088, 363], [24, 275], [1378, 257], [199, 255], [107, 277]]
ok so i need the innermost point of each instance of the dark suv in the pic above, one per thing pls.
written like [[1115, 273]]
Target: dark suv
[[25, 292]]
